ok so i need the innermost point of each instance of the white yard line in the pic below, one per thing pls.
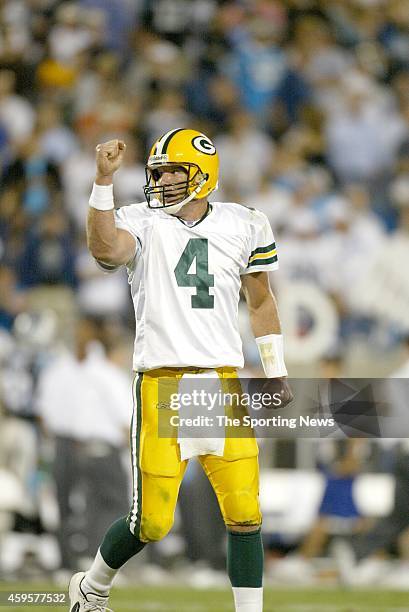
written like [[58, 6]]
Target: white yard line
[[197, 607], [162, 607], [337, 608]]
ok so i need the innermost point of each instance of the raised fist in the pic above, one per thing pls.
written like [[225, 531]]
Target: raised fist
[[109, 156]]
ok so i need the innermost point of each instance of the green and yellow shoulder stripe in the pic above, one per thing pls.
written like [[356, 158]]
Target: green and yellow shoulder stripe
[[263, 256]]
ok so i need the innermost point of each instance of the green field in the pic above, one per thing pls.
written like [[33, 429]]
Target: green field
[[191, 600]]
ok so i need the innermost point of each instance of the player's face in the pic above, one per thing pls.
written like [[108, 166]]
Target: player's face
[[174, 178]]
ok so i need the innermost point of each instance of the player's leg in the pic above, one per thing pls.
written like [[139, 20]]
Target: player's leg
[[157, 474], [236, 484]]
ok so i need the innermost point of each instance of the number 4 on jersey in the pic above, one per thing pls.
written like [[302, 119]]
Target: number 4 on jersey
[[196, 249]]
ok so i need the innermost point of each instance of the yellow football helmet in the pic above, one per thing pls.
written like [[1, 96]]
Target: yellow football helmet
[[193, 152]]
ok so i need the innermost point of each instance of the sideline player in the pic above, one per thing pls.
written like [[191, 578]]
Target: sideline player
[[186, 260]]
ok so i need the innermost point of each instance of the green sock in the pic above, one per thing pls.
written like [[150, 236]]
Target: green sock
[[245, 558], [119, 545]]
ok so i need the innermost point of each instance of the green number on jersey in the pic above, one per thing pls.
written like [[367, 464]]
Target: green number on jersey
[[196, 249]]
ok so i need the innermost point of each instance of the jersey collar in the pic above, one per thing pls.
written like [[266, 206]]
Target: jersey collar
[[202, 218]]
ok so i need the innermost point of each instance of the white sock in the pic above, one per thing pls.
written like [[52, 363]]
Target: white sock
[[99, 577], [247, 599]]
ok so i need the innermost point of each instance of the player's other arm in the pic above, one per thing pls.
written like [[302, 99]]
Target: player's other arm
[[106, 242], [266, 327], [261, 304]]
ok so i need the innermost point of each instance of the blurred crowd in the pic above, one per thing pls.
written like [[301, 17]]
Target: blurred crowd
[[308, 104]]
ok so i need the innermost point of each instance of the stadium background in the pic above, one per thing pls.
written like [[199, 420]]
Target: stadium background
[[308, 104]]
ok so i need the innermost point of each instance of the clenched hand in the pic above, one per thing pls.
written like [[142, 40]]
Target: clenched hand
[[109, 156]]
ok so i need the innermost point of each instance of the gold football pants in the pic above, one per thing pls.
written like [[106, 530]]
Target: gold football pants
[[158, 469]]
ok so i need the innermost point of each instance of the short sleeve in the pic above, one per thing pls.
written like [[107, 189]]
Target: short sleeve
[[124, 219], [262, 254]]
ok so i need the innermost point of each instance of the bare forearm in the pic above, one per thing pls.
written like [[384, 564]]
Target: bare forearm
[[264, 318], [265, 321], [262, 304], [101, 230]]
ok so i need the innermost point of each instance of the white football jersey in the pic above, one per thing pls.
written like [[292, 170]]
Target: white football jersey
[[185, 282]]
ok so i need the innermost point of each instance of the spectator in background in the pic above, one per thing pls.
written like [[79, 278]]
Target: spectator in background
[[179, 20], [300, 225], [337, 512], [57, 141], [399, 186], [215, 102], [12, 300], [393, 33], [13, 227], [347, 226], [299, 252], [167, 114], [20, 355], [158, 64], [69, 35], [77, 175], [289, 163], [48, 257], [35, 177], [257, 64], [96, 74], [400, 84], [119, 20], [366, 224], [84, 401], [243, 172], [16, 113], [340, 462], [4, 147], [321, 62], [364, 561], [362, 139]]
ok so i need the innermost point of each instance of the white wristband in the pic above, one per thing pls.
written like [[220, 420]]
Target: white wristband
[[271, 351], [102, 197]]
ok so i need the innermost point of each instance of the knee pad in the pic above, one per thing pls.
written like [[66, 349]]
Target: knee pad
[[241, 508], [155, 528]]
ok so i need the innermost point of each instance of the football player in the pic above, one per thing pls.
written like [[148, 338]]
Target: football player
[[187, 260]]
